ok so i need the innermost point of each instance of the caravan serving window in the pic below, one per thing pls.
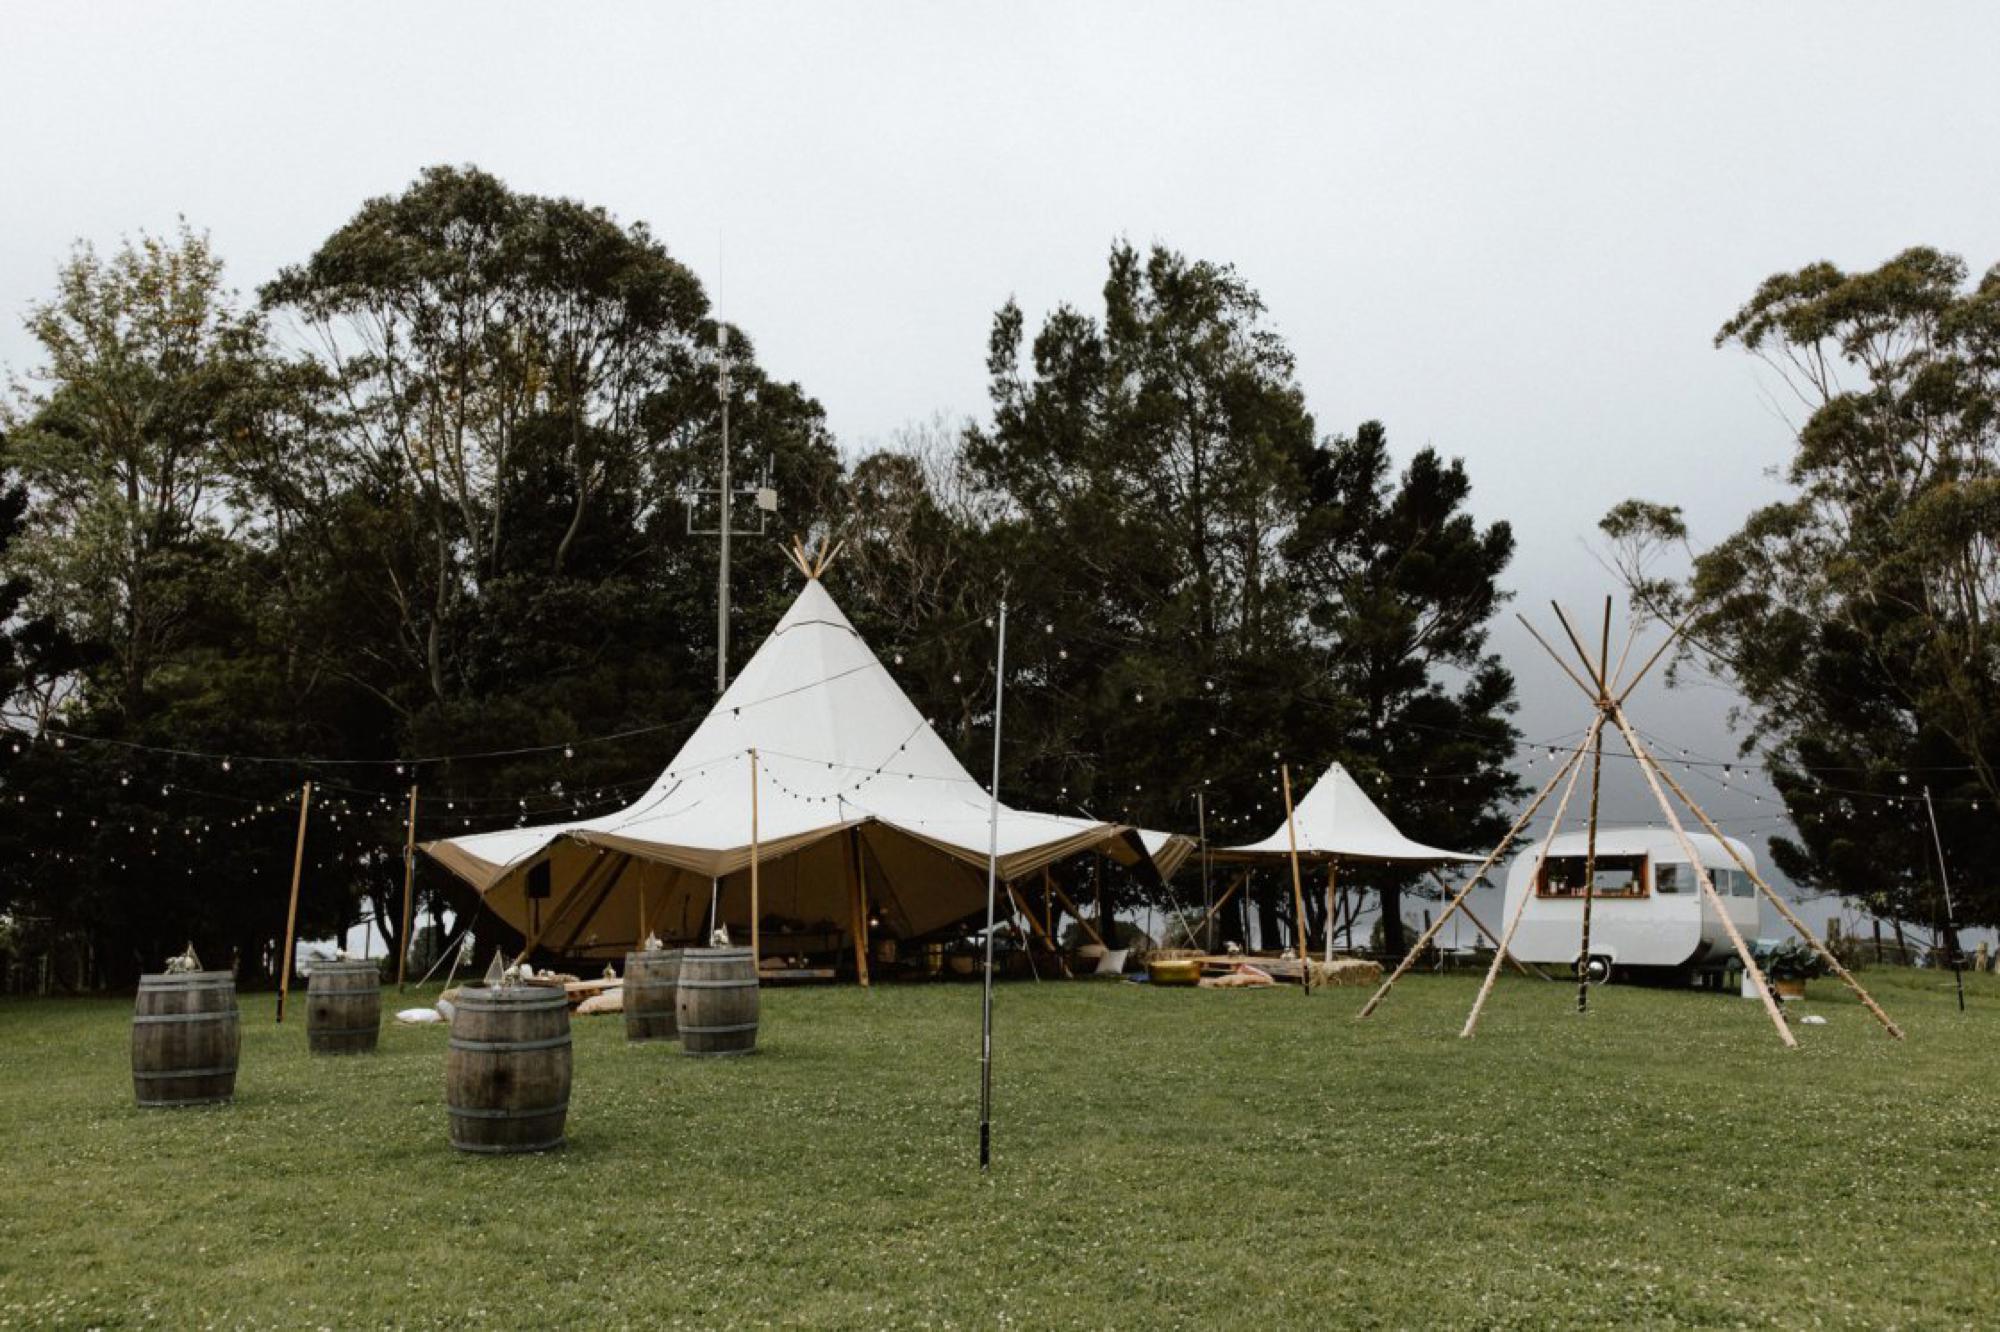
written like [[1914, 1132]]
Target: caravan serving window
[[1615, 876], [1673, 878]]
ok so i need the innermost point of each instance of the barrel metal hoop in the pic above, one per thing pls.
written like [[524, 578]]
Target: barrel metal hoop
[[221, 1015], [181, 1073], [508, 1149], [345, 1031], [651, 985], [193, 1100], [717, 1031], [484, 1047], [538, 1112], [687, 984]]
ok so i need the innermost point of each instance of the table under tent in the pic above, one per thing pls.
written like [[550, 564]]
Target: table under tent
[[1336, 823], [869, 837]]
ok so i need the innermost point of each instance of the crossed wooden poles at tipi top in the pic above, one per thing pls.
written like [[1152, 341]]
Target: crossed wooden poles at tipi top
[[1608, 695]]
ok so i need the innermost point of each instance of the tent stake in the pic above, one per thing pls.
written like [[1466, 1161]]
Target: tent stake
[[1298, 891], [992, 884], [409, 877], [292, 913]]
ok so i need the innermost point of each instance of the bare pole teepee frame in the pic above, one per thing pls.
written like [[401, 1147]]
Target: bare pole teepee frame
[[1607, 693]]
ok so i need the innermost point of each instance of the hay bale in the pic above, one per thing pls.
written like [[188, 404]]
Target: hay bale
[[1345, 971]]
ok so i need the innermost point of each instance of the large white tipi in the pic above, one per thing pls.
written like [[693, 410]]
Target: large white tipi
[[861, 813]]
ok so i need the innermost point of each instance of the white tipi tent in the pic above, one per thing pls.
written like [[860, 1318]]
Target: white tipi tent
[[862, 813]]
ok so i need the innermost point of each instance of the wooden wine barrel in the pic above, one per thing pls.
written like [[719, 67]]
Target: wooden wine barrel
[[716, 1002], [185, 1038], [506, 1079], [650, 981], [343, 1007]]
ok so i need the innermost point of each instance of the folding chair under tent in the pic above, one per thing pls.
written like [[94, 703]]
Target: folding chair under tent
[[1336, 822], [859, 812]]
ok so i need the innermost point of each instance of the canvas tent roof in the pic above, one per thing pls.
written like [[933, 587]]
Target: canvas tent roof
[[1337, 821], [839, 749]]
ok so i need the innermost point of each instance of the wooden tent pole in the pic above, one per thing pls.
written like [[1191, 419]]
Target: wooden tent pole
[[858, 903], [756, 957], [292, 912], [409, 878], [1332, 870], [1480, 925], [1791, 917], [1534, 881], [1298, 890], [1228, 893], [1465, 890], [1021, 905], [1590, 834], [532, 941], [1701, 877], [1070, 906]]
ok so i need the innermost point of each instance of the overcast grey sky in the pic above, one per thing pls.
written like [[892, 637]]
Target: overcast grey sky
[[1506, 230]]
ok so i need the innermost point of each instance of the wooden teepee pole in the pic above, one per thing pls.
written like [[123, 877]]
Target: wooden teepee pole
[[1590, 835], [1465, 890], [1791, 917], [409, 882], [1298, 890], [1575, 768], [1701, 877], [292, 912]]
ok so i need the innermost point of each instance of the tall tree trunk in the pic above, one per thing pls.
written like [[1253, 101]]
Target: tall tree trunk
[[1393, 942]]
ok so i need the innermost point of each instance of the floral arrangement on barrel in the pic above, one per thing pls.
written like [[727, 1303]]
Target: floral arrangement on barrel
[[1789, 965]]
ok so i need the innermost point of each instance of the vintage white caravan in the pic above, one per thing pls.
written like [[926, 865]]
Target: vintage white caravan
[[1648, 915]]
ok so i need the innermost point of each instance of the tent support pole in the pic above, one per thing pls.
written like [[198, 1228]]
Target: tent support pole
[[1575, 767], [1492, 858], [858, 902], [1088, 928], [992, 874], [603, 895], [1298, 891], [1332, 871], [533, 941], [756, 957], [1227, 893], [409, 881], [292, 912]]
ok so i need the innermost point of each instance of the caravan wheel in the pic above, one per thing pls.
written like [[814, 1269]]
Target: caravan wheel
[[1598, 970]]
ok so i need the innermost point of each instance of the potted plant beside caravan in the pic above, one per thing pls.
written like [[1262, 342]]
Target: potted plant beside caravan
[[1648, 917]]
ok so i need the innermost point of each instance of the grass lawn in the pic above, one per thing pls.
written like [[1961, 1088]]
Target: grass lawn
[[1163, 1158]]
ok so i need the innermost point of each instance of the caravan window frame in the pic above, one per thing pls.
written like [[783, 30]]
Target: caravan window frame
[[1642, 881]]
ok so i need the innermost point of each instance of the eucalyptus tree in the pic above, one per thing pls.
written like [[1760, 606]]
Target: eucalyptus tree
[[1856, 614]]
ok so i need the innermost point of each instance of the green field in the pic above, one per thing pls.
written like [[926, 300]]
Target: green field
[[1164, 1158]]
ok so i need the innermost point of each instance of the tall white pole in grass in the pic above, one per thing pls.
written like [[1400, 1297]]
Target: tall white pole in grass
[[1950, 914], [992, 888]]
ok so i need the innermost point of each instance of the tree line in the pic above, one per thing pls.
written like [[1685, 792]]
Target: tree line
[[423, 494]]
